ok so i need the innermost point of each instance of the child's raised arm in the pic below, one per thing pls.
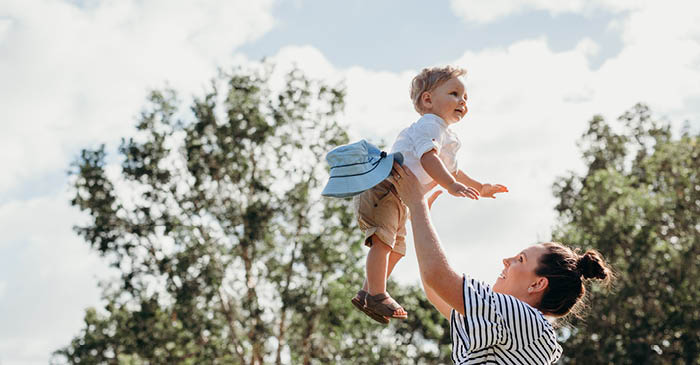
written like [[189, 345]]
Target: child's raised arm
[[433, 165], [485, 190]]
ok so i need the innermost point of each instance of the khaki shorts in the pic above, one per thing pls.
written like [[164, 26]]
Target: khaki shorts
[[380, 212]]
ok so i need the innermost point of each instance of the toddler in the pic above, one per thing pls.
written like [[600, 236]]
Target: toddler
[[429, 149]]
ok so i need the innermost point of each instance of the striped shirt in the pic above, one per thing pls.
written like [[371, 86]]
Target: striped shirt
[[500, 329]]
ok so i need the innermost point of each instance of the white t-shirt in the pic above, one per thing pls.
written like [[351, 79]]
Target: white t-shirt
[[500, 329], [429, 132]]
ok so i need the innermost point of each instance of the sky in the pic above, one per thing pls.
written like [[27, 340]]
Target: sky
[[75, 73]]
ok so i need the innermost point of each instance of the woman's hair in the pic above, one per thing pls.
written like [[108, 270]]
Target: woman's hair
[[429, 79], [566, 271]]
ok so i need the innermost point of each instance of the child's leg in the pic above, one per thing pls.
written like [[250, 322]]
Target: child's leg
[[376, 266], [397, 252], [378, 259], [393, 260]]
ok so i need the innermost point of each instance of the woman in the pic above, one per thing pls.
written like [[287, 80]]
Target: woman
[[505, 324]]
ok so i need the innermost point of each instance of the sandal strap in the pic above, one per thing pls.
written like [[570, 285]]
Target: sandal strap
[[378, 305], [361, 297], [378, 297]]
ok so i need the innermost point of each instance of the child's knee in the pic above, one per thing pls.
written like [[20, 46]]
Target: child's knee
[[395, 256], [376, 243]]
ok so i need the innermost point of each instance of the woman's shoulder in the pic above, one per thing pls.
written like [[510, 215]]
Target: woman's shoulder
[[511, 309], [522, 326], [526, 325], [515, 310]]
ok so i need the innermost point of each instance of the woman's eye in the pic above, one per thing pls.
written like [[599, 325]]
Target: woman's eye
[[520, 258], [454, 93]]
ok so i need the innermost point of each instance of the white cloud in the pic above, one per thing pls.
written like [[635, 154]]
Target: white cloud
[[377, 103], [73, 76], [52, 278]]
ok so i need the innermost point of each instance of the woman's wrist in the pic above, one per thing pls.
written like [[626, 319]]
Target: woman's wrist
[[416, 204]]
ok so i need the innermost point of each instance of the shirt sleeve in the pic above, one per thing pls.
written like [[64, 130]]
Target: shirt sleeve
[[481, 325], [428, 136]]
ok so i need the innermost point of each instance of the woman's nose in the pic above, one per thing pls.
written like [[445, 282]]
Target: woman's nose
[[505, 262]]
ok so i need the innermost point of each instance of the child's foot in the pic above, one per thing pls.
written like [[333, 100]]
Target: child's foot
[[384, 305], [359, 302]]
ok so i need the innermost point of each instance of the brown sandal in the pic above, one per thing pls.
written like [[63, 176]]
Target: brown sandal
[[384, 305], [359, 302]]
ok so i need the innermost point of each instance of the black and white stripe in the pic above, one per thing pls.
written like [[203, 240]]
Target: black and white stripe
[[500, 329]]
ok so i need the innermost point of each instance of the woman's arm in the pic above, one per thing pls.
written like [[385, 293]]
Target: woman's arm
[[435, 270], [435, 300], [430, 293]]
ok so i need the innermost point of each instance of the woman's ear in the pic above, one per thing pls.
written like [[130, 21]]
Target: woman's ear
[[539, 285]]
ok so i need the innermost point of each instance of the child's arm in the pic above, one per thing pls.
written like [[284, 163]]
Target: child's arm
[[433, 165], [485, 190], [468, 181]]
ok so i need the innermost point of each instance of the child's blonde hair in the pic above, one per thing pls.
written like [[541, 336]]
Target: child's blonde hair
[[429, 79]]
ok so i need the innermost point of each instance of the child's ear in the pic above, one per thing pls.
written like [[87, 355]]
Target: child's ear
[[426, 99]]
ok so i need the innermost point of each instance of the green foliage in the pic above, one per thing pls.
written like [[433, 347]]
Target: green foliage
[[225, 250], [638, 204]]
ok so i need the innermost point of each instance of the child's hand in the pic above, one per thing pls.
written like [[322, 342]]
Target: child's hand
[[488, 190], [459, 189]]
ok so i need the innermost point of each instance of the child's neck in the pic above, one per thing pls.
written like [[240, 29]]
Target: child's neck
[[438, 117]]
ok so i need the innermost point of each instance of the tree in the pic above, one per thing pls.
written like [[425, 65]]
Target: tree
[[225, 250], [638, 204]]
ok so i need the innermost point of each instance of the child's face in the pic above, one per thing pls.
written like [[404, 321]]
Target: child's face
[[448, 101]]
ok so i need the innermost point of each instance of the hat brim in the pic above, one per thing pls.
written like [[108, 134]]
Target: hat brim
[[343, 187]]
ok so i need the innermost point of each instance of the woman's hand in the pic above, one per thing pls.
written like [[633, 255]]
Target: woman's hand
[[410, 190], [399, 173]]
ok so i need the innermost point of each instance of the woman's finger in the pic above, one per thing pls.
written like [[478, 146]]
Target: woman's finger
[[432, 198], [406, 172], [399, 169]]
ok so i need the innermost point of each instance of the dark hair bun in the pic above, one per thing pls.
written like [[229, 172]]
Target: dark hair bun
[[591, 265]]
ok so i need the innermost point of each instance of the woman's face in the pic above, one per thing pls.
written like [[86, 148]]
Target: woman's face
[[519, 272]]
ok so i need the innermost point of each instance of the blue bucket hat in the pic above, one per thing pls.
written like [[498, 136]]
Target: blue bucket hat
[[356, 167]]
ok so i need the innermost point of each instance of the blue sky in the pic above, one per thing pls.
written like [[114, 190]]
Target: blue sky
[[74, 74], [396, 35]]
